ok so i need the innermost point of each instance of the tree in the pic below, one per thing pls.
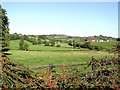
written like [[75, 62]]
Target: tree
[[52, 43], [4, 30], [87, 44], [33, 41], [42, 37], [39, 40], [25, 47], [74, 44], [21, 43], [14, 36], [70, 43], [46, 43]]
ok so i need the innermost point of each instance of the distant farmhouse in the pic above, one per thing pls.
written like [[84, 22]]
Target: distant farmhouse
[[102, 40], [91, 39]]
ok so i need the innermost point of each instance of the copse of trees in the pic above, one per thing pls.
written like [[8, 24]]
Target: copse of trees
[[72, 43], [85, 45], [14, 36]]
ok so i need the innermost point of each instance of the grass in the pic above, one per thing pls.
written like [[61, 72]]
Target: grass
[[44, 55], [105, 45], [14, 45], [52, 48], [37, 58]]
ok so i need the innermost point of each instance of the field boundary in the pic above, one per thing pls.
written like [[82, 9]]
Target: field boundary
[[57, 65]]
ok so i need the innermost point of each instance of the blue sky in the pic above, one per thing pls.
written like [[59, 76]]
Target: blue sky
[[70, 18]]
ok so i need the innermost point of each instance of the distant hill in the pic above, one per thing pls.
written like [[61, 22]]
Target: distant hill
[[60, 37]]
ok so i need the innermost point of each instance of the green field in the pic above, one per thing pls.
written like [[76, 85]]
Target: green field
[[105, 45], [14, 45], [35, 58], [44, 55]]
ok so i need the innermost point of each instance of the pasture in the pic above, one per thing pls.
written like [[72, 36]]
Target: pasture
[[105, 45], [14, 45], [37, 58], [43, 55]]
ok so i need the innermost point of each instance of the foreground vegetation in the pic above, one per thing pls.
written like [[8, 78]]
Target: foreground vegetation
[[104, 74]]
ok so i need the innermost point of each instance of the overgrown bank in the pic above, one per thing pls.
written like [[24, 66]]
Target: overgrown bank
[[104, 74]]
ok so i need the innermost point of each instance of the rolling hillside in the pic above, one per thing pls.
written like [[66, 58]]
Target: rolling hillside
[[105, 45], [14, 44]]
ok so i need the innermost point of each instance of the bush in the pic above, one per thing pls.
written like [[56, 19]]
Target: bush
[[77, 45], [25, 46], [33, 42], [70, 44], [5, 49], [46, 43], [91, 47], [58, 45], [86, 44], [98, 48], [52, 43]]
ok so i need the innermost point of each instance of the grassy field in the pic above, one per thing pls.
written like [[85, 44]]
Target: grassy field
[[105, 45], [14, 45], [44, 55], [36, 58]]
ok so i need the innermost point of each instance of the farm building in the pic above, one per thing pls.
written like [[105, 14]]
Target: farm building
[[90, 39], [102, 40]]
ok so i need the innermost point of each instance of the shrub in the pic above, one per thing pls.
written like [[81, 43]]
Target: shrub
[[91, 47], [52, 43], [58, 45], [46, 43], [77, 45], [25, 46], [70, 44], [98, 48], [86, 44]]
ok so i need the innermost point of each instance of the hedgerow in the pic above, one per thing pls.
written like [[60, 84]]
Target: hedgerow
[[104, 74]]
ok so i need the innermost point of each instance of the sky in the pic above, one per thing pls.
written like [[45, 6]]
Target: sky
[[69, 18]]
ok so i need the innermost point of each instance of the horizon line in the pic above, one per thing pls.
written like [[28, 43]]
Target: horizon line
[[66, 35]]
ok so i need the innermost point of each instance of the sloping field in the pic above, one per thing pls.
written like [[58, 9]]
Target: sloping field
[[105, 45], [36, 58], [14, 45]]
